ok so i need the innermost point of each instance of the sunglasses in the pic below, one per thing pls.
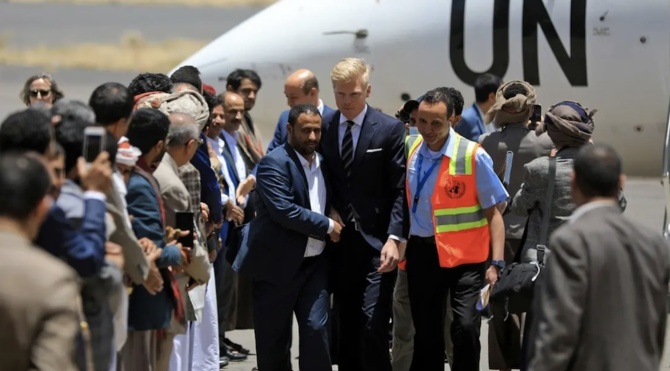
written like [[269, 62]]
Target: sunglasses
[[42, 93]]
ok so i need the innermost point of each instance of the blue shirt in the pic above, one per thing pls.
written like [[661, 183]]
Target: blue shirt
[[490, 190]]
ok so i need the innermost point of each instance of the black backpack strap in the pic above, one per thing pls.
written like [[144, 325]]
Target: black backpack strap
[[546, 216]]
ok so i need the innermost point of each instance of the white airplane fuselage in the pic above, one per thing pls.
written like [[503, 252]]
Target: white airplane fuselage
[[609, 55]]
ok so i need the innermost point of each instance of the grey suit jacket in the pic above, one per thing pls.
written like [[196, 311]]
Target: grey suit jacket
[[40, 308], [530, 199], [526, 146], [601, 304], [136, 264], [177, 199]]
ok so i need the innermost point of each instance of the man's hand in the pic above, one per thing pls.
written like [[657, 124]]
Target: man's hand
[[204, 209], [114, 253], [99, 176], [212, 256], [336, 216], [154, 282], [172, 234], [234, 212], [147, 245], [390, 256], [244, 188], [402, 249], [336, 232], [492, 275]]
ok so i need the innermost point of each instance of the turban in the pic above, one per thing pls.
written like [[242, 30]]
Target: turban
[[513, 110], [127, 154], [568, 124], [185, 101]]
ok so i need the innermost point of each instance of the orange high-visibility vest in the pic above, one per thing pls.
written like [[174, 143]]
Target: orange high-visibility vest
[[461, 228]]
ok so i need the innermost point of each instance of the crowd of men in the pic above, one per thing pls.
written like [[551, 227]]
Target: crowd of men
[[379, 235]]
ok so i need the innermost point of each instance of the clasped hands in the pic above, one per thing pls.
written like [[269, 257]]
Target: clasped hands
[[390, 255]]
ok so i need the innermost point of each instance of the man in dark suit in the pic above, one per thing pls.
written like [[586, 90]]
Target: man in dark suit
[[286, 249], [363, 152], [472, 123], [300, 87], [601, 259]]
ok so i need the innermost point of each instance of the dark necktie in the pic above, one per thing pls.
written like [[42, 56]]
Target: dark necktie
[[348, 160], [348, 149]]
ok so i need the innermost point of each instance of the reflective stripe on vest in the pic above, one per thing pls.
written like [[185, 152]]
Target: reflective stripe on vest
[[458, 219]]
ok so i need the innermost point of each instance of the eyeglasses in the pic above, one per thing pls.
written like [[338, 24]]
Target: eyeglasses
[[42, 93]]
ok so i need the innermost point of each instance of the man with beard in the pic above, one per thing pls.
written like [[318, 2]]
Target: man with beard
[[223, 136], [149, 315], [286, 250]]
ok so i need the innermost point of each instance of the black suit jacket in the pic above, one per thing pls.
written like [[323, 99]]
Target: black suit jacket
[[376, 189], [273, 246]]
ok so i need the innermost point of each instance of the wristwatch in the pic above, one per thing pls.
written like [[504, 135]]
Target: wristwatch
[[499, 263]]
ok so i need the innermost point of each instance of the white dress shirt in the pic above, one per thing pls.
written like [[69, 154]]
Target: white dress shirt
[[320, 107], [489, 127], [231, 142], [218, 146], [317, 200], [355, 129]]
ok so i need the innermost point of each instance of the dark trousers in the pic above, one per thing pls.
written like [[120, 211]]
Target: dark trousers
[[504, 330], [363, 302], [428, 285], [273, 307], [225, 285]]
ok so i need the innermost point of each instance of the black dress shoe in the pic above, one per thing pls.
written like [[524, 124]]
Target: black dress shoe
[[223, 361], [234, 357], [236, 347]]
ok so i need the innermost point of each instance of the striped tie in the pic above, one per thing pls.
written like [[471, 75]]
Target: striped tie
[[348, 150], [348, 160]]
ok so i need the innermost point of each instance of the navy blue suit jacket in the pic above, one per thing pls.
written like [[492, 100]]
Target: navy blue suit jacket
[[145, 311], [471, 125], [83, 248], [276, 239], [280, 130], [376, 189], [229, 163], [209, 186]]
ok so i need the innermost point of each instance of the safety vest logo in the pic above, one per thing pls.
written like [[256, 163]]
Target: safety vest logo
[[455, 189]]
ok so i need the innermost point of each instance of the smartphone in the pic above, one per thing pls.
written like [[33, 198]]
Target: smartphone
[[537, 114], [94, 143], [184, 222]]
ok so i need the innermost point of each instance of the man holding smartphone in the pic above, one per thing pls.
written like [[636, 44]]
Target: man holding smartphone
[[515, 106], [183, 140]]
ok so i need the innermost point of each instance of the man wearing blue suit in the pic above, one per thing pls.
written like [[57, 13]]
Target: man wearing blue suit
[[472, 124], [147, 313], [363, 152], [300, 87], [286, 248]]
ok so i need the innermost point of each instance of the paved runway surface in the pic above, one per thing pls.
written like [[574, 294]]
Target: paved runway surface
[[62, 24], [35, 24], [645, 205]]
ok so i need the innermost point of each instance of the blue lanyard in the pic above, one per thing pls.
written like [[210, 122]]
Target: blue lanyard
[[421, 181]]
